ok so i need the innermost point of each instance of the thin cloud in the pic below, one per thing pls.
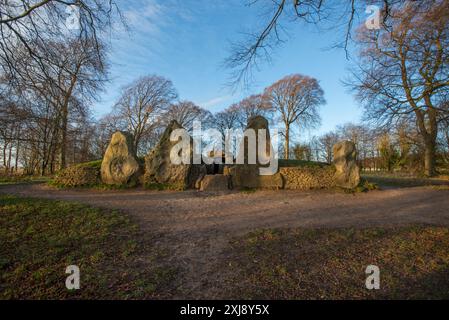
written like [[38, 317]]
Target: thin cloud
[[215, 102]]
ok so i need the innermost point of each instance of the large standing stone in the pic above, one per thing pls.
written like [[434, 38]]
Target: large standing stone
[[159, 168], [248, 175], [120, 165], [345, 160], [257, 123]]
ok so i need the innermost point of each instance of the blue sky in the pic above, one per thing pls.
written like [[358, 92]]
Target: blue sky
[[187, 41]]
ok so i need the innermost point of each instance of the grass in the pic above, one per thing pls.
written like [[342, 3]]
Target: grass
[[93, 164], [391, 180], [20, 179], [97, 186], [40, 238], [164, 186], [331, 264], [363, 187], [283, 163]]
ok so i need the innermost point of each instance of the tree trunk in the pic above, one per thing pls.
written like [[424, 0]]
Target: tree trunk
[[287, 142], [64, 136], [4, 156], [10, 157], [65, 116], [429, 133], [429, 157], [16, 165]]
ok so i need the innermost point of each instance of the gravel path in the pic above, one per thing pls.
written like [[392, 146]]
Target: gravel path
[[196, 227]]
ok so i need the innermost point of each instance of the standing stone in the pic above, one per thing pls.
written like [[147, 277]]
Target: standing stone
[[248, 175], [258, 123], [159, 168], [345, 160], [120, 165]]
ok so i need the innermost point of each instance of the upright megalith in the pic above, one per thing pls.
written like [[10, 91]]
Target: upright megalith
[[248, 173], [120, 165], [347, 173], [257, 124], [161, 171]]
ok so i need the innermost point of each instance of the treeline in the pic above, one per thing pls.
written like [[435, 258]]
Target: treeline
[[52, 69], [53, 60], [398, 149], [147, 105], [42, 136]]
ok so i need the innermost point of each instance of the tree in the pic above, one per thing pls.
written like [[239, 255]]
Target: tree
[[81, 74], [258, 45], [185, 113], [326, 143], [387, 152], [302, 152], [141, 104], [296, 98], [255, 105], [28, 25], [227, 119], [403, 71]]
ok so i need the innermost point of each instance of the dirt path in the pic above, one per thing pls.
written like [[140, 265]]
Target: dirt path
[[195, 227]]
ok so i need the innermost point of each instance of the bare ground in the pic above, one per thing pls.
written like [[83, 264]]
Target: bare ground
[[196, 227]]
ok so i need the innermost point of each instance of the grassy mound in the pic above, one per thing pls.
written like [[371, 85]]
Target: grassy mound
[[331, 264], [301, 163], [40, 238]]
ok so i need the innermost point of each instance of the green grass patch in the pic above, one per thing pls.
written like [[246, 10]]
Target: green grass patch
[[93, 164], [40, 238], [393, 181], [363, 187], [283, 163], [96, 186], [331, 264], [20, 179]]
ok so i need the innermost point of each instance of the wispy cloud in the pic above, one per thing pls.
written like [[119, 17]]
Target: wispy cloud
[[215, 102], [146, 17]]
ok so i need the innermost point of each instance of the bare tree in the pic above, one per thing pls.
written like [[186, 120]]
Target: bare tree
[[255, 105], [278, 15], [141, 104], [296, 98], [403, 72], [28, 25], [185, 112], [226, 120], [326, 144]]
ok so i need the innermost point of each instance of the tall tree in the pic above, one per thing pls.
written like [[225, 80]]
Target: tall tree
[[255, 105], [277, 16], [326, 143], [227, 119], [141, 104], [29, 24], [296, 98], [403, 71], [185, 113]]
